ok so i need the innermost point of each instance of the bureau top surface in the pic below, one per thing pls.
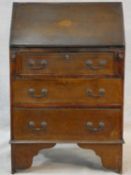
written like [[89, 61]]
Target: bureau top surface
[[67, 24]]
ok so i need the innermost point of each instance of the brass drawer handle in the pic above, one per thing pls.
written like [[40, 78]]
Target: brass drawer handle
[[89, 126], [37, 64], [101, 65], [43, 93], [101, 93], [31, 125]]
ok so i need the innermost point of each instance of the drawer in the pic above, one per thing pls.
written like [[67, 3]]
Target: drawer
[[67, 124], [70, 63], [65, 91]]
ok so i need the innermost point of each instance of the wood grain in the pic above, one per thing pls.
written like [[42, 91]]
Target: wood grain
[[93, 25], [111, 155], [67, 124], [22, 154], [68, 92], [50, 49], [66, 64]]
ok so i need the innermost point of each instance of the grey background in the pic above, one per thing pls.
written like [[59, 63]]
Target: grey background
[[63, 159]]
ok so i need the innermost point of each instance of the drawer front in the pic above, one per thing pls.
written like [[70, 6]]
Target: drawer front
[[67, 124], [57, 92], [72, 63]]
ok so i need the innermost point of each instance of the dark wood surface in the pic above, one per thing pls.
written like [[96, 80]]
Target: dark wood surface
[[66, 64], [67, 24], [111, 155], [59, 47], [69, 92], [67, 124], [22, 155]]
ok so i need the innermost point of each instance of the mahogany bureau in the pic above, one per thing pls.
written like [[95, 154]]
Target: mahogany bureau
[[66, 74]]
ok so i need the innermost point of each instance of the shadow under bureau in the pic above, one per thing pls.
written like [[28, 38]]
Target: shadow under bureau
[[66, 75]]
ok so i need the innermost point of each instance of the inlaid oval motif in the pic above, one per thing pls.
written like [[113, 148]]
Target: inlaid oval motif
[[65, 23]]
